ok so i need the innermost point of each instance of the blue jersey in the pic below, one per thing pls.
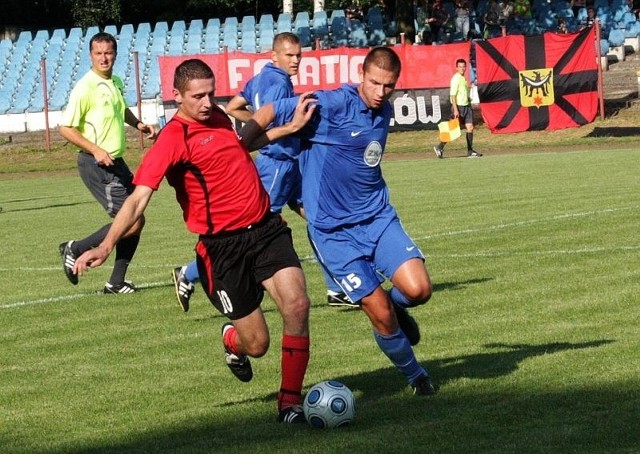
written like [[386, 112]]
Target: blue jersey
[[272, 84], [342, 182]]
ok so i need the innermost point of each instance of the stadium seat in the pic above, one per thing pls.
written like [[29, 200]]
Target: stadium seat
[[249, 44], [213, 23], [265, 41], [302, 28], [320, 26], [144, 27], [358, 34], [5, 103], [111, 29], [194, 44], [230, 41], [161, 27], [58, 36], [196, 26], [230, 26], [178, 28], [248, 23], [266, 22], [24, 38], [302, 16], [339, 31], [91, 31], [284, 23], [211, 44], [376, 33], [126, 30], [616, 37]]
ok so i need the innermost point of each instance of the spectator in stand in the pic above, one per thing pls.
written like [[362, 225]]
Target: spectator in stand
[[589, 20], [562, 27], [439, 23], [577, 5], [506, 14], [462, 21], [522, 9], [424, 19], [635, 7], [491, 21]]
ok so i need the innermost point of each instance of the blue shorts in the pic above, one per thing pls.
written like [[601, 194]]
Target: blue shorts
[[360, 257], [282, 181]]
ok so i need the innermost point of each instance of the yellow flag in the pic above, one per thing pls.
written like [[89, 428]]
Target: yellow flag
[[449, 130]]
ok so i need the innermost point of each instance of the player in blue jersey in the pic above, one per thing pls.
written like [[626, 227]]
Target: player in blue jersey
[[277, 162], [354, 230]]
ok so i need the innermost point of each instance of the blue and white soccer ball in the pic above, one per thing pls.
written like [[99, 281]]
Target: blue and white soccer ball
[[329, 404]]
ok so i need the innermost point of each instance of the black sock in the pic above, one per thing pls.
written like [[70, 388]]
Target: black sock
[[469, 142], [83, 245], [125, 249]]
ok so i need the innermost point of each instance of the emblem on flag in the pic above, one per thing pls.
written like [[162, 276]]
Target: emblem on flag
[[536, 87]]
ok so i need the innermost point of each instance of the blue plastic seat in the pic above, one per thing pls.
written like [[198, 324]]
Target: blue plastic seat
[[178, 28], [248, 23], [161, 28], [91, 31], [358, 35], [211, 44], [616, 37], [248, 45], [284, 23], [196, 26], [632, 30], [339, 31], [265, 41], [58, 36], [266, 22], [230, 41], [320, 24], [126, 30], [194, 44]]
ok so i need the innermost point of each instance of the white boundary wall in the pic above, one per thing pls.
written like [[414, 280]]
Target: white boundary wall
[[152, 110]]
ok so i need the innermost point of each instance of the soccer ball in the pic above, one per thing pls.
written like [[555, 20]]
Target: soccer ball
[[329, 404]]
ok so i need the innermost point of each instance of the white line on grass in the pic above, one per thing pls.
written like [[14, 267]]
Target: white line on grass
[[75, 296], [311, 258], [557, 217], [540, 253]]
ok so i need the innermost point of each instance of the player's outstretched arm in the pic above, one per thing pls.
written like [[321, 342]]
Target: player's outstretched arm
[[253, 133], [238, 109], [132, 210]]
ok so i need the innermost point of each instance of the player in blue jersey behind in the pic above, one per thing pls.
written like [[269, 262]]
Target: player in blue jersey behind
[[277, 162], [354, 230]]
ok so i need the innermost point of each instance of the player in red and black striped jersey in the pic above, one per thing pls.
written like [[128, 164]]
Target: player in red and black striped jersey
[[243, 248]]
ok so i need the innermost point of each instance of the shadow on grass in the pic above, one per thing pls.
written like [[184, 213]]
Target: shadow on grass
[[390, 419], [452, 286], [614, 132], [55, 205]]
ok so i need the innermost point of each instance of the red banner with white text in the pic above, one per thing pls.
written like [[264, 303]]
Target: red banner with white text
[[422, 67]]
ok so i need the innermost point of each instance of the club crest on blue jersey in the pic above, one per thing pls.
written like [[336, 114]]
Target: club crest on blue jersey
[[373, 154]]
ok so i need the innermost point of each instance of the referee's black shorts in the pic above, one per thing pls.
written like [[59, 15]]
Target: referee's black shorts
[[465, 115], [110, 185], [232, 265]]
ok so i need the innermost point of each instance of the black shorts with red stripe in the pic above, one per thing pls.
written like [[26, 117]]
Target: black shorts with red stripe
[[233, 265]]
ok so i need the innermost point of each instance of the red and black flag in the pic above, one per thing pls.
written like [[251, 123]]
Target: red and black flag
[[532, 83]]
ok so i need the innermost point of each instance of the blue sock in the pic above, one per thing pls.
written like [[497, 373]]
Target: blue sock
[[398, 298], [397, 348], [191, 273]]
